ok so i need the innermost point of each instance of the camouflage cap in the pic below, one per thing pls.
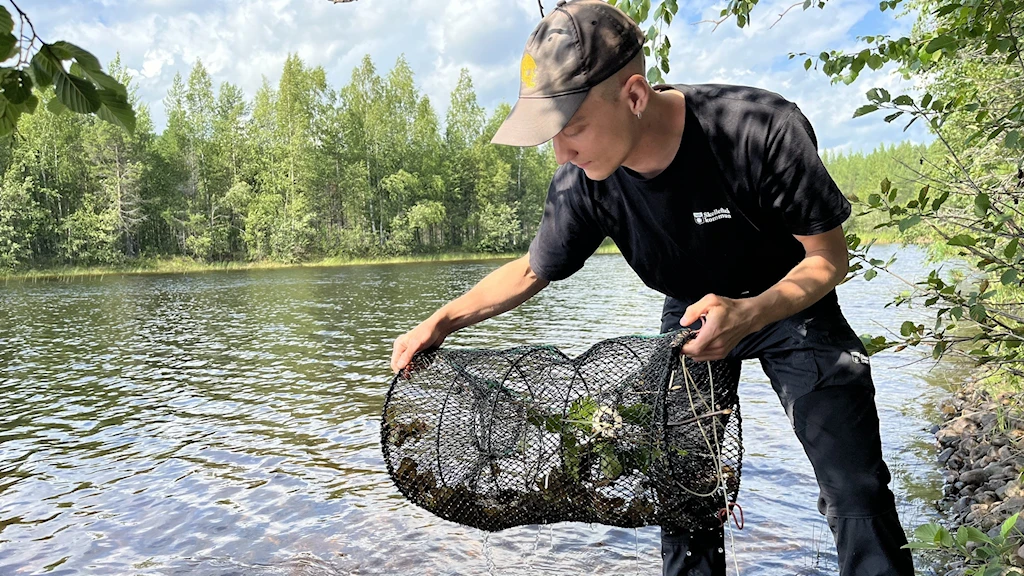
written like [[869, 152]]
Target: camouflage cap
[[574, 48]]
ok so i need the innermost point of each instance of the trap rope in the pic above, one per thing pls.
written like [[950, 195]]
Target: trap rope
[[628, 434]]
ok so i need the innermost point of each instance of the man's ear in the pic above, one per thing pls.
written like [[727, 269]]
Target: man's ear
[[636, 91]]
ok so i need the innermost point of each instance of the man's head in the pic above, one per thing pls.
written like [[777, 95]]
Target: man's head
[[584, 61]]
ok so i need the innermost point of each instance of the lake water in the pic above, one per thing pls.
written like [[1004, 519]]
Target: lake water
[[228, 423]]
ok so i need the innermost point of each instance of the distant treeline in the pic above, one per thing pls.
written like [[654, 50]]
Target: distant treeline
[[302, 171], [859, 174]]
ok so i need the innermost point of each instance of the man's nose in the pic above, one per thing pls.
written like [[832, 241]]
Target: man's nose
[[563, 152]]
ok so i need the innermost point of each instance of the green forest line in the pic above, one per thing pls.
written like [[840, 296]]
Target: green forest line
[[303, 173]]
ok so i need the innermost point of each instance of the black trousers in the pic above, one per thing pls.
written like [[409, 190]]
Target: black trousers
[[820, 370]]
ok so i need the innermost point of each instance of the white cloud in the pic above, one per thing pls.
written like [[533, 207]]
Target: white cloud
[[243, 42]]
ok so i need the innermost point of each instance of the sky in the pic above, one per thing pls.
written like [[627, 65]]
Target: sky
[[243, 41]]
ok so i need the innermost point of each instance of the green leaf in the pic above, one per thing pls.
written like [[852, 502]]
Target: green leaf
[[45, 66], [866, 109], [978, 313], [1008, 525], [7, 124], [1011, 248], [6, 21], [29, 105], [807, 64], [114, 108], [938, 349], [100, 78], [16, 86], [1009, 277], [910, 222], [903, 100], [975, 535], [938, 202], [908, 328], [981, 205], [78, 94], [942, 42], [82, 56], [870, 274], [55, 107], [962, 240], [875, 62], [8, 45], [928, 532], [611, 467], [920, 546]]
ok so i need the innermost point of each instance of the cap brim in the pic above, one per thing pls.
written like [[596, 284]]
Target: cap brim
[[534, 121]]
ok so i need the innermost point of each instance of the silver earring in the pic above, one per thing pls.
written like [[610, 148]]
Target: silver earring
[[638, 114]]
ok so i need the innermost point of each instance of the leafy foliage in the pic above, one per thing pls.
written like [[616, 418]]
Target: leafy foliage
[[27, 63]]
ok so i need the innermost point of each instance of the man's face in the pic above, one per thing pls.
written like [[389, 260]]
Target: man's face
[[597, 138]]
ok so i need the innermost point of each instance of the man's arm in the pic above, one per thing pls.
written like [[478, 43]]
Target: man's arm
[[500, 291], [728, 320]]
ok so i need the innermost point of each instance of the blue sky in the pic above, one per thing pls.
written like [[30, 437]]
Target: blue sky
[[244, 41]]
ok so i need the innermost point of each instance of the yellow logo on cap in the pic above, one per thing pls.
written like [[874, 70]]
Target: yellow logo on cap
[[528, 71]]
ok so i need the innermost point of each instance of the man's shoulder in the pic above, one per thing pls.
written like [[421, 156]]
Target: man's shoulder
[[735, 97]]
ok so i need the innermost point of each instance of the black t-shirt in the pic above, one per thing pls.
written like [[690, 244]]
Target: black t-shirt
[[719, 220]]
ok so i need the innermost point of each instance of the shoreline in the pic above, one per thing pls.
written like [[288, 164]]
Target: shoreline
[[181, 265], [981, 450]]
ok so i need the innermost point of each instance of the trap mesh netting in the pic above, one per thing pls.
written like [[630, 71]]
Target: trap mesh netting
[[627, 434]]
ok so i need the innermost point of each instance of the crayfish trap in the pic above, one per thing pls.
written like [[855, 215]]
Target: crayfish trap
[[628, 434]]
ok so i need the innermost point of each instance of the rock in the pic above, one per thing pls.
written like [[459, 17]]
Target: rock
[[947, 409], [1017, 558], [1002, 490], [991, 486], [1000, 441], [973, 477], [1007, 508], [945, 455], [988, 521], [986, 497], [947, 437], [1013, 490], [934, 429], [1005, 453], [994, 467], [959, 485], [963, 504], [986, 420], [966, 490], [955, 462], [961, 425], [979, 451]]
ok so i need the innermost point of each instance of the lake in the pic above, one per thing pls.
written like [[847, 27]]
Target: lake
[[228, 423]]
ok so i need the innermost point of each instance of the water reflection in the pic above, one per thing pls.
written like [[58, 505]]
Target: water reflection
[[227, 423]]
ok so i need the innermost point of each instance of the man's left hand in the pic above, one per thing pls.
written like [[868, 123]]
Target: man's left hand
[[726, 322]]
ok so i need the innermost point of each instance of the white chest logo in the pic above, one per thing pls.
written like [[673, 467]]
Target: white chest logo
[[708, 217]]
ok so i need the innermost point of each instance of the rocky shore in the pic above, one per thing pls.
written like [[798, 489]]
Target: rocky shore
[[981, 444]]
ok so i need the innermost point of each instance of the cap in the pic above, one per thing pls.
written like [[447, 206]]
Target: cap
[[574, 48]]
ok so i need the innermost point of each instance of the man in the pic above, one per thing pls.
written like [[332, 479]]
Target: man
[[717, 198]]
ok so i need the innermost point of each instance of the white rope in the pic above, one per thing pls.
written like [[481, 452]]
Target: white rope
[[716, 452]]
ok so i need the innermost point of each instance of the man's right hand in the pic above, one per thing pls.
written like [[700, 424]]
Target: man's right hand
[[423, 337], [500, 291]]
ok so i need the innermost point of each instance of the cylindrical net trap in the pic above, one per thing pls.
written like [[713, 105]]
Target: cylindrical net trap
[[627, 434]]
